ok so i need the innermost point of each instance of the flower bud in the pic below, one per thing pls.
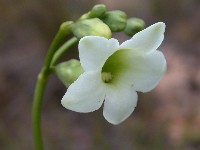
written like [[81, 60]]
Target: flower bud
[[116, 20], [133, 26], [65, 27], [98, 10], [89, 27], [69, 71]]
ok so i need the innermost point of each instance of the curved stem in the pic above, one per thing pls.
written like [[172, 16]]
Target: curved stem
[[36, 111], [63, 49], [39, 90]]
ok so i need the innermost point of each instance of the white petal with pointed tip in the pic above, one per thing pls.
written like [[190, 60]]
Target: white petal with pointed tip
[[86, 94], [143, 71], [94, 51], [119, 104], [147, 40]]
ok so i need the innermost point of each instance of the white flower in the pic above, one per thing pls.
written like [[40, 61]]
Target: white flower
[[115, 72]]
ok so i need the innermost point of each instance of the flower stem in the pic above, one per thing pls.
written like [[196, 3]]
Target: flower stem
[[36, 110], [63, 49], [40, 87]]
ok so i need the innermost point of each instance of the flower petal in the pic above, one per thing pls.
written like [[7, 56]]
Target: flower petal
[[86, 94], [147, 40], [119, 104], [144, 71], [94, 51]]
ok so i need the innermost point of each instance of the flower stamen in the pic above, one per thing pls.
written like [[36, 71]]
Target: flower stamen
[[106, 77]]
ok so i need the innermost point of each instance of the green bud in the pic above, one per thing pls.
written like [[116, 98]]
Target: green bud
[[69, 71], [88, 27], [134, 25], [116, 20], [65, 27], [98, 10], [85, 16]]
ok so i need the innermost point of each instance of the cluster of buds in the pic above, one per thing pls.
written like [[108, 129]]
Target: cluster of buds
[[100, 22]]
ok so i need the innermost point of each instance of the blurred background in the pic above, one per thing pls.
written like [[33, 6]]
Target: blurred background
[[166, 118]]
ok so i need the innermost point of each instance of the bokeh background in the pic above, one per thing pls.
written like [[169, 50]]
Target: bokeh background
[[166, 118]]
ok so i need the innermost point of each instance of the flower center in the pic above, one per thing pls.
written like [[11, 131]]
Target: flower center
[[115, 66], [106, 77]]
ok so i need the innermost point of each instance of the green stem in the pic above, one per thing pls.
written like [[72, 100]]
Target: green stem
[[36, 110], [39, 90], [63, 49]]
